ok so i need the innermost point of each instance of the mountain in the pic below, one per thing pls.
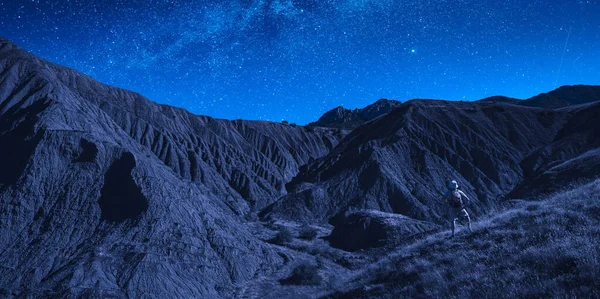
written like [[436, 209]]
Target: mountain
[[401, 162], [563, 96], [106, 194], [343, 118], [239, 160], [371, 228]]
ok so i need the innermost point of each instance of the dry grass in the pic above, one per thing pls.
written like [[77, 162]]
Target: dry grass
[[283, 237], [304, 274], [547, 248], [307, 232]]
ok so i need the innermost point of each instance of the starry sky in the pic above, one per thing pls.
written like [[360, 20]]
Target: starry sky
[[296, 59]]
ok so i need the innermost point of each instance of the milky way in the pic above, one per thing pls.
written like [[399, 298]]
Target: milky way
[[293, 60]]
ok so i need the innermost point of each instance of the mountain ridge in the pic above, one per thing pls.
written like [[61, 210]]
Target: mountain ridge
[[562, 96], [275, 164], [343, 118]]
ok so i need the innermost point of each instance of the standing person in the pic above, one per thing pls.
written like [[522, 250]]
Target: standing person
[[456, 206]]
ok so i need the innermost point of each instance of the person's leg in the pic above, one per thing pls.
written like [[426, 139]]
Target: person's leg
[[468, 219], [452, 214], [453, 225]]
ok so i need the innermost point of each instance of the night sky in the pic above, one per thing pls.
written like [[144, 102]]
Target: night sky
[[294, 60]]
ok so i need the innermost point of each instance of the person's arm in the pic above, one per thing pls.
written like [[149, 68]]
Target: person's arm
[[465, 196], [445, 197]]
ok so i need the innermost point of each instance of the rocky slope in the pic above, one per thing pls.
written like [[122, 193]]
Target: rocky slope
[[104, 193], [402, 161], [343, 118], [249, 160]]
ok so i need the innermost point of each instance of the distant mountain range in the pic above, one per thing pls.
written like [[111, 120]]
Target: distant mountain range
[[563, 96], [104, 193], [402, 161]]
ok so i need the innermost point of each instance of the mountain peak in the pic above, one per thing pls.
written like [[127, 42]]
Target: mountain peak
[[383, 101], [344, 118], [6, 44]]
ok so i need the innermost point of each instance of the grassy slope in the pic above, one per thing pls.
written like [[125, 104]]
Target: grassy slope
[[540, 249]]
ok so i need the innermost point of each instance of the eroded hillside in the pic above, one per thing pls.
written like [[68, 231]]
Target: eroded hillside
[[402, 161], [104, 193]]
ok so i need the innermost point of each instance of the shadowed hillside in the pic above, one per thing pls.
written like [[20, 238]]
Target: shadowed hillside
[[573, 154], [565, 96]]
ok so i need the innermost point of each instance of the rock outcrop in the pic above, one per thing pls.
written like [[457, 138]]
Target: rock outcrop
[[371, 229]]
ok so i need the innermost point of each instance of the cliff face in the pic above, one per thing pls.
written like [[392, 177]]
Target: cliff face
[[104, 193]]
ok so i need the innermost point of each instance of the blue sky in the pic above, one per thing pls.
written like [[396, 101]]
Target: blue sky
[[294, 60]]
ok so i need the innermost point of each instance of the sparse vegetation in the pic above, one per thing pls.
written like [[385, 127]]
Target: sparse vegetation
[[304, 274], [285, 122], [540, 249], [283, 236], [307, 232], [309, 129]]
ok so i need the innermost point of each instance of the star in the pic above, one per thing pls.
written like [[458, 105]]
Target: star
[[185, 53]]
